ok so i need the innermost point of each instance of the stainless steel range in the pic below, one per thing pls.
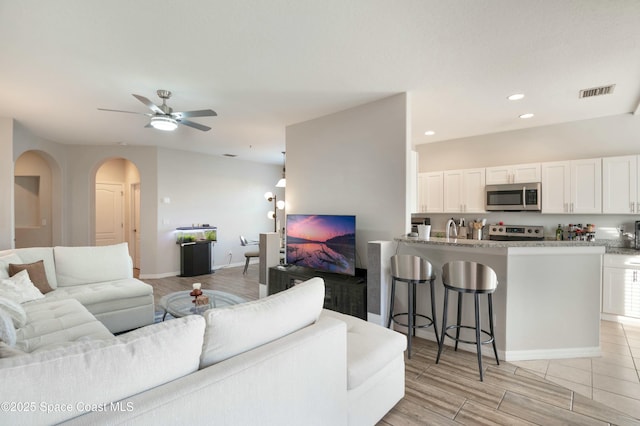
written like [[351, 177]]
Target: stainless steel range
[[516, 232]]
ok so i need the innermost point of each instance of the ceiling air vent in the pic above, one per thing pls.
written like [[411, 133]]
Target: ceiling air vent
[[596, 91]]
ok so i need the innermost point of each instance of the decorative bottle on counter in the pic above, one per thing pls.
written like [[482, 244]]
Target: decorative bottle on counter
[[559, 233]]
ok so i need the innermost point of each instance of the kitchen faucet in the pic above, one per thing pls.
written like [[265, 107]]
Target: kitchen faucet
[[451, 223]]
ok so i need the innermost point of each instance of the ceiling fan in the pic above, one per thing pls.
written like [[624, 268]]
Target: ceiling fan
[[163, 116]]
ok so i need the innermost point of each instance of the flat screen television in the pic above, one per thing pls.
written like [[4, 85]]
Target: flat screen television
[[322, 242]]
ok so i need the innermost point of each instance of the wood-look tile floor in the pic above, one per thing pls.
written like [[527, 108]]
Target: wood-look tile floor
[[450, 393]]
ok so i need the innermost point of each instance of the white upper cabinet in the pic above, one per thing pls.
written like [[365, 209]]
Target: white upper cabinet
[[556, 178], [572, 186], [430, 192], [620, 185], [521, 173], [464, 191]]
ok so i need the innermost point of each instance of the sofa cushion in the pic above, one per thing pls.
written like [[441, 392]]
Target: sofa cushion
[[96, 372], [7, 329], [105, 296], [61, 321], [36, 272], [7, 257], [33, 254], [15, 311], [83, 265], [19, 288], [370, 347], [238, 328]]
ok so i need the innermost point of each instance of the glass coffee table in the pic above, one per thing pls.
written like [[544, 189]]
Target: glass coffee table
[[180, 303]]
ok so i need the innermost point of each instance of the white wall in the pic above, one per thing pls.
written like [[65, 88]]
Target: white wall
[[6, 183], [38, 231], [226, 192], [223, 192], [601, 137], [353, 162], [55, 156]]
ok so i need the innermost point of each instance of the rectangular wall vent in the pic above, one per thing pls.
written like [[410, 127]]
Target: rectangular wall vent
[[596, 91]]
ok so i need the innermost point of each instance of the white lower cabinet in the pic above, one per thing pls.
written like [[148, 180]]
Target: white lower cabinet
[[621, 285]]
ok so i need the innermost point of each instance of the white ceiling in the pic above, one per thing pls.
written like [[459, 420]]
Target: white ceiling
[[263, 65]]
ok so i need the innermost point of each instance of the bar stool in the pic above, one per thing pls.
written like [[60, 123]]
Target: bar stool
[[413, 270], [475, 278]]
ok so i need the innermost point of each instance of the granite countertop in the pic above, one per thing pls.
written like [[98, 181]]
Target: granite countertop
[[611, 246], [623, 250], [463, 242]]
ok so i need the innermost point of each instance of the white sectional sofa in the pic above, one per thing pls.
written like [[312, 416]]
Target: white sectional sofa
[[100, 278], [282, 360]]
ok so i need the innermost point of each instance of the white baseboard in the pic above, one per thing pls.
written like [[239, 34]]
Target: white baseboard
[[527, 355], [588, 352], [156, 276], [620, 319]]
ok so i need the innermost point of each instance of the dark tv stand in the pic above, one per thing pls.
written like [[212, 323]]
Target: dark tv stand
[[343, 293]]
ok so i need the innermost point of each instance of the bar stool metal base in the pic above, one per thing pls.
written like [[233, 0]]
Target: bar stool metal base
[[412, 316], [476, 289]]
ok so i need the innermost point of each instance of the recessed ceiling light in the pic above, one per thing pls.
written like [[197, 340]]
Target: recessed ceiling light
[[527, 115], [516, 97], [429, 133]]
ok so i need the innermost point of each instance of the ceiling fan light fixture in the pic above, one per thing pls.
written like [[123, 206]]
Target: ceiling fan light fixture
[[168, 124]]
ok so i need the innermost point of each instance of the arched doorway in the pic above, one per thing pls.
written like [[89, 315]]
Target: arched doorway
[[117, 206], [35, 218]]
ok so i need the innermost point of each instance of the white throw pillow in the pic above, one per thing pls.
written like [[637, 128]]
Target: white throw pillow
[[5, 260], [238, 328], [7, 330], [19, 288], [15, 311]]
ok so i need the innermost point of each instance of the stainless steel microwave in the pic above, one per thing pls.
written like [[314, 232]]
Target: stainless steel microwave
[[514, 197]]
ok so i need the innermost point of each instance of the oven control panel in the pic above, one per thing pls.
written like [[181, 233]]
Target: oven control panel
[[516, 232]]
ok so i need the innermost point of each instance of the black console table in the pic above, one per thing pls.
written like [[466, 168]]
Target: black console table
[[195, 249], [195, 258], [343, 293]]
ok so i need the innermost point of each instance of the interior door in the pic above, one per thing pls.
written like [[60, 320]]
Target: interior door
[[109, 214], [136, 224]]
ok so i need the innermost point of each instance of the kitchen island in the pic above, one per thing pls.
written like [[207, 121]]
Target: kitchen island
[[547, 304]]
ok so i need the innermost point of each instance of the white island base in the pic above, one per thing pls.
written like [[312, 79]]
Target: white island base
[[546, 306]]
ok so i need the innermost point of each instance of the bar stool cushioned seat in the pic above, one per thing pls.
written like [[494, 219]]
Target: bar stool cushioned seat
[[413, 270], [474, 278]]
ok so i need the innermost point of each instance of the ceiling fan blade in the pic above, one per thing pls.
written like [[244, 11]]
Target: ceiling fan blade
[[199, 113], [194, 125], [153, 107], [128, 112]]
